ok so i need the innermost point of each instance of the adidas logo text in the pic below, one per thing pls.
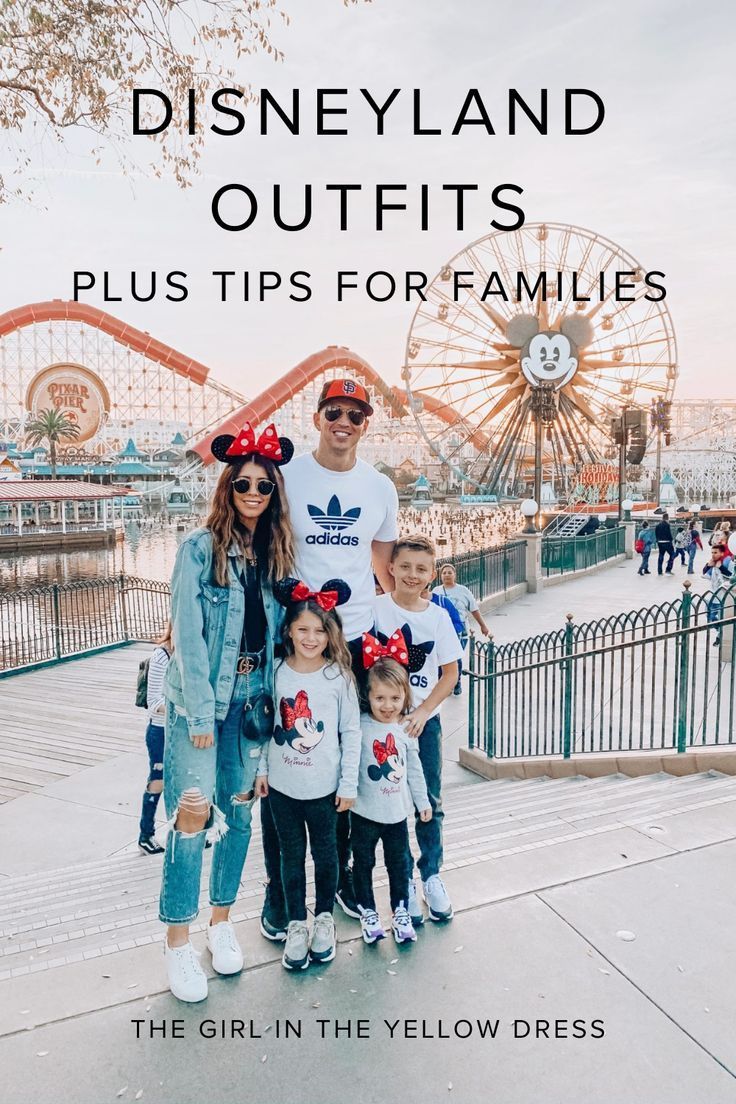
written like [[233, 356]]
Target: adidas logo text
[[334, 538]]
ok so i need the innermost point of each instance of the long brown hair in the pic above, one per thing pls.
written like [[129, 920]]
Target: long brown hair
[[273, 542], [337, 651]]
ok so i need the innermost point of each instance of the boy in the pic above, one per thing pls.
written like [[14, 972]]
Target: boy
[[434, 650], [719, 569]]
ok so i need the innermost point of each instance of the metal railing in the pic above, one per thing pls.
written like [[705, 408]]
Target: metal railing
[[44, 624], [563, 554], [491, 570], [647, 680]]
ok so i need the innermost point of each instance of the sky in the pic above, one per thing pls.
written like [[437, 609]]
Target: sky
[[657, 178]]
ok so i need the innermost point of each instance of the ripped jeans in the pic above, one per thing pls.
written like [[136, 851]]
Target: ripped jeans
[[218, 774]]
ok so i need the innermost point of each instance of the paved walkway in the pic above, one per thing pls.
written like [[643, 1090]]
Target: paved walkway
[[615, 589], [546, 876]]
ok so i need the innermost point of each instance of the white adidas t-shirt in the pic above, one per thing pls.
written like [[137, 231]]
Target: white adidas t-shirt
[[430, 632], [335, 517]]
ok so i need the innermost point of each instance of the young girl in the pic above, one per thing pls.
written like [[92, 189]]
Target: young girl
[[156, 705], [309, 769], [390, 770]]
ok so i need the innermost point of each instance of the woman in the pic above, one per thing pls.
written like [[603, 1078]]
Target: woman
[[647, 539], [219, 694], [465, 603], [694, 544]]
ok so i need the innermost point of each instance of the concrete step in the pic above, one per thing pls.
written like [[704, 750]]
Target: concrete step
[[95, 909]]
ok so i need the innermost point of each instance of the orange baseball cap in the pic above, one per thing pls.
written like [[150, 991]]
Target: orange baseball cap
[[345, 389]]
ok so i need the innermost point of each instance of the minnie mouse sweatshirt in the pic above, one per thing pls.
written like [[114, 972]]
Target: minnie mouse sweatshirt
[[390, 776], [315, 747]]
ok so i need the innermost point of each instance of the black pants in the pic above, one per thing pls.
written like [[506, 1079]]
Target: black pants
[[665, 548], [275, 903], [365, 835], [293, 818]]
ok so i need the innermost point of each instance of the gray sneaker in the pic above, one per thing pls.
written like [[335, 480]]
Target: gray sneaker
[[296, 951], [322, 943], [414, 906], [438, 903]]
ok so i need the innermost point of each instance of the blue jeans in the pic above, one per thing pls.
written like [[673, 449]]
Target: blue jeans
[[429, 835], [715, 613], [691, 553], [155, 746], [644, 566], [221, 773]]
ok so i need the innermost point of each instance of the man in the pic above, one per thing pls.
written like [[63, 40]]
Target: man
[[344, 519], [663, 535]]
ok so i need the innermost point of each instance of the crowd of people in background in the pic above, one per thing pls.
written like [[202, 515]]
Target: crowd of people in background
[[459, 529]]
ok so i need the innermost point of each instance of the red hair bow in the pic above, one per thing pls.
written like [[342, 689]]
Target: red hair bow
[[382, 752], [290, 713], [325, 599], [267, 444], [395, 649]]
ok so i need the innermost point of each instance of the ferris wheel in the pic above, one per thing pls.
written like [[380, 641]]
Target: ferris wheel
[[525, 375]]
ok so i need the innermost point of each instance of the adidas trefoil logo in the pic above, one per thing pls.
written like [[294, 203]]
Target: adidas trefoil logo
[[333, 522]]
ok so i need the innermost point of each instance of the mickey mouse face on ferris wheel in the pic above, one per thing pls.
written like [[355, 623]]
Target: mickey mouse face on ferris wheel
[[549, 356]]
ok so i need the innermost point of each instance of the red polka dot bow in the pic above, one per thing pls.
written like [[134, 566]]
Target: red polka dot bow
[[325, 599], [267, 444], [395, 648]]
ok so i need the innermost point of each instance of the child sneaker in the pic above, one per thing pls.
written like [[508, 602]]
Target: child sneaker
[[148, 845], [227, 955], [370, 924], [414, 906], [402, 926], [322, 943], [438, 903], [187, 979], [296, 951]]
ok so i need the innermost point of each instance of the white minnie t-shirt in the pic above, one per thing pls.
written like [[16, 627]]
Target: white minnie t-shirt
[[430, 632], [335, 517]]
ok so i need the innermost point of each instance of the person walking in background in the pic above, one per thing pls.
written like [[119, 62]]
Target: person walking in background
[[645, 542], [465, 603], [458, 625], [719, 571], [156, 705], [695, 543], [682, 539], [663, 535]]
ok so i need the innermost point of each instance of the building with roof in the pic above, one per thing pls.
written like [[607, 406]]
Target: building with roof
[[40, 515]]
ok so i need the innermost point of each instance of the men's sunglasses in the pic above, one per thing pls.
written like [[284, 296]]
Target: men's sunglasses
[[264, 487], [357, 417]]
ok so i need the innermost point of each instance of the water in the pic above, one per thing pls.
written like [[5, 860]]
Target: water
[[148, 552]]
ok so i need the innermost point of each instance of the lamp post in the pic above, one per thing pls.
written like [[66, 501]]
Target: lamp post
[[529, 509]]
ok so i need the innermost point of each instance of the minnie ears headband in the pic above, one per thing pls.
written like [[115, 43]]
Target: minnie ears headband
[[335, 592], [233, 450], [398, 647]]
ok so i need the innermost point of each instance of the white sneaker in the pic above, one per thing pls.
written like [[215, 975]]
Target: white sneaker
[[402, 926], [322, 943], [414, 906], [227, 955], [187, 979], [438, 903], [296, 951]]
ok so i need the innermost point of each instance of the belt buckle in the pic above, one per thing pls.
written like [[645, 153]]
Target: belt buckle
[[245, 665]]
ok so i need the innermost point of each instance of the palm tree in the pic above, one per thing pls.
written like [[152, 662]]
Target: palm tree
[[53, 426]]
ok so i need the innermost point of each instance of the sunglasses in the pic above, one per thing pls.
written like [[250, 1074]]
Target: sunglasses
[[264, 487], [357, 417]]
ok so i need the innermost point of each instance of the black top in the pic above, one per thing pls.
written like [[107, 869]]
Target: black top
[[254, 622], [663, 531]]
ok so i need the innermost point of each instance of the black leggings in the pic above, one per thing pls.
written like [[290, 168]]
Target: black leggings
[[365, 835], [293, 818]]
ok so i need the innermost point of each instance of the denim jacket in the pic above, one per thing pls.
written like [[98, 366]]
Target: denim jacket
[[208, 628]]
